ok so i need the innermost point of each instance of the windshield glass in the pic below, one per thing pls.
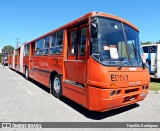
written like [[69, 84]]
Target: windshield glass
[[132, 37], [115, 43]]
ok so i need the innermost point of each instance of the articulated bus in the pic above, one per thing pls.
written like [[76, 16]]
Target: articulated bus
[[94, 60], [152, 56]]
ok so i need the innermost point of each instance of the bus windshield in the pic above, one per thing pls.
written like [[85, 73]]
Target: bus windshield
[[5, 56], [115, 43]]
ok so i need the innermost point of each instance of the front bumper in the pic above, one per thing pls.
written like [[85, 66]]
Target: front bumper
[[100, 99]]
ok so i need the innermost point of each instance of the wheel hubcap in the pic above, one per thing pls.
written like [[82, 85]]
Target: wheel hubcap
[[56, 85]]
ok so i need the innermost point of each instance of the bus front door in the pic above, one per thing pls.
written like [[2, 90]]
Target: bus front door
[[75, 65]]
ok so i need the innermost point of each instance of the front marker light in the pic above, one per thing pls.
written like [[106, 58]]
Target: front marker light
[[114, 92], [113, 85], [144, 87]]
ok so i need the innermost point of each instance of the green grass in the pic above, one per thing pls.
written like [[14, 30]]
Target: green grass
[[155, 86]]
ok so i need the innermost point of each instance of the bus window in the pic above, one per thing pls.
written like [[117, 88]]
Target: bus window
[[26, 50], [73, 42], [83, 41], [5, 56], [53, 43], [16, 52], [59, 42], [46, 45], [39, 46], [152, 49], [145, 49], [56, 43]]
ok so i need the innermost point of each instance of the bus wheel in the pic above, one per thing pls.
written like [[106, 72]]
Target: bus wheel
[[56, 86], [26, 73]]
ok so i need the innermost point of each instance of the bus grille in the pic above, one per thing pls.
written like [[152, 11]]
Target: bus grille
[[131, 90]]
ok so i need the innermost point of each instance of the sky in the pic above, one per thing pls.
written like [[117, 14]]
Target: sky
[[29, 19]]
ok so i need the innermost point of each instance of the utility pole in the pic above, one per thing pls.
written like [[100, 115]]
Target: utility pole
[[17, 42]]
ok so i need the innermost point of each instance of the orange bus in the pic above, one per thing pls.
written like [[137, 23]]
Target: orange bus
[[94, 60]]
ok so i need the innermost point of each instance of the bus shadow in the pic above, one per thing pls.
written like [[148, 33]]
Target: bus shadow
[[97, 115], [87, 113], [39, 85]]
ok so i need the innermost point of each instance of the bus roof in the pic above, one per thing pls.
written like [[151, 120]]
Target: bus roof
[[150, 45], [85, 17]]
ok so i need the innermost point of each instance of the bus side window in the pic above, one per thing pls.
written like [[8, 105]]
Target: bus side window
[[26, 51], [145, 49], [46, 45], [56, 43], [16, 53], [39, 47], [73, 42], [82, 45], [59, 42]]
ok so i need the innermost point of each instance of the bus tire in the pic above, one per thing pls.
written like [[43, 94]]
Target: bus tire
[[56, 86], [26, 73]]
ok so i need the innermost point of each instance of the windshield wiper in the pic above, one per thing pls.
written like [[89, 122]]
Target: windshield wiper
[[137, 52], [123, 62], [120, 66], [127, 49]]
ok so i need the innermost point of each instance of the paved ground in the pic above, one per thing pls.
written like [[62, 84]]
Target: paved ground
[[28, 101]]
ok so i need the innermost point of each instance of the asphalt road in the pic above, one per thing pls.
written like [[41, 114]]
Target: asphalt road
[[29, 101]]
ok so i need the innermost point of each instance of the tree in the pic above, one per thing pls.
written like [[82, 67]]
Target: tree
[[146, 43], [7, 48], [158, 42]]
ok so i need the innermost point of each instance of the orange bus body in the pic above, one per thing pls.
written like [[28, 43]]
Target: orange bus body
[[84, 80], [10, 59]]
